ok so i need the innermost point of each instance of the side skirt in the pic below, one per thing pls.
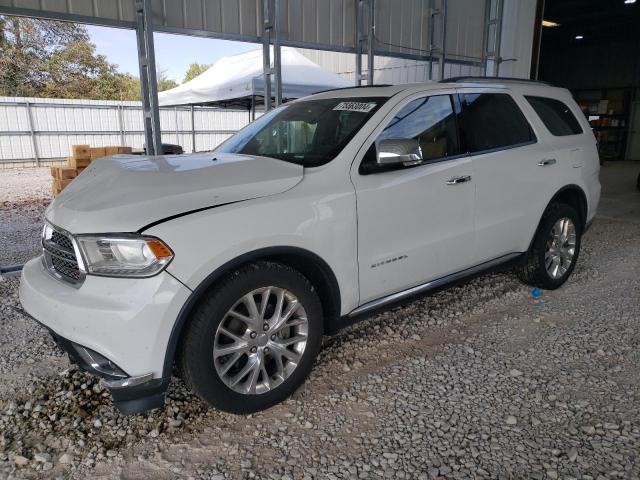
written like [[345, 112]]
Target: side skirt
[[413, 293]]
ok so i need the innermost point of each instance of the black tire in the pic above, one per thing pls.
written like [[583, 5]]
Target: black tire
[[196, 358], [532, 270]]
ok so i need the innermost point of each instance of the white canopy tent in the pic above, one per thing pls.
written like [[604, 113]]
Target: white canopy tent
[[238, 81]]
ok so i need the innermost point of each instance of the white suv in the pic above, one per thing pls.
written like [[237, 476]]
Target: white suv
[[232, 264]]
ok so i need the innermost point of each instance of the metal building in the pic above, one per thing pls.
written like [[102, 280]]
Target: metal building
[[390, 41]]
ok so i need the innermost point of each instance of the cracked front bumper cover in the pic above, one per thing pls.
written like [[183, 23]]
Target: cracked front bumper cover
[[130, 394]]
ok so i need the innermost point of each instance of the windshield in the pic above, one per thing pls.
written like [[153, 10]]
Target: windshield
[[309, 133]]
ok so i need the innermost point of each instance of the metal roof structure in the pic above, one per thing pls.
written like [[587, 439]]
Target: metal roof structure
[[465, 31]]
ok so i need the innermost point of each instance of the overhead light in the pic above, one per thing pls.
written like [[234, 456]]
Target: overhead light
[[579, 37], [550, 24], [629, 2]]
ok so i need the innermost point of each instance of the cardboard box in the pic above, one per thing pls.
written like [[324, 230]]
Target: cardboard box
[[98, 152], [124, 149], [75, 162], [65, 182], [81, 152], [66, 173], [55, 188], [60, 184], [111, 150], [54, 171]]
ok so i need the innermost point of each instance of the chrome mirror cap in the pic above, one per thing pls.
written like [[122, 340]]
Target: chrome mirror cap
[[398, 151]]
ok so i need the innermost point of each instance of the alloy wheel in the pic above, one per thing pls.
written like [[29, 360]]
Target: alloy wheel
[[561, 248], [260, 341]]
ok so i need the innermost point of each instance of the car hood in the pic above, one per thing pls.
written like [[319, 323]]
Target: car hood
[[125, 193]]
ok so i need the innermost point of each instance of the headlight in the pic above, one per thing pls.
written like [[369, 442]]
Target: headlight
[[123, 255]]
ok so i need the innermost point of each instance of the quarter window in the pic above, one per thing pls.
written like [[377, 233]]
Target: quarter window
[[556, 116], [492, 121], [429, 120]]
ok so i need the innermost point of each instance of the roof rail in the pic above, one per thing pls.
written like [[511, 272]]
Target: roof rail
[[355, 86], [494, 80]]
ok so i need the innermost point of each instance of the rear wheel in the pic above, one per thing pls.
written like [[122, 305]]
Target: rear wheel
[[555, 248], [253, 340]]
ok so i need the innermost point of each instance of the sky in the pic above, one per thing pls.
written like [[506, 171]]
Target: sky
[[174, 53]]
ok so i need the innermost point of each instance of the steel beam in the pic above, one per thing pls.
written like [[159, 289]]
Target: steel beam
[[148, 82]]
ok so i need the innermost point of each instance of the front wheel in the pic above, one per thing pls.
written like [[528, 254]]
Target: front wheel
[[252, 341], [555, 248]]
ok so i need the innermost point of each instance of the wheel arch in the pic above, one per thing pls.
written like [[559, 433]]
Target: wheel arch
[[574, 196], [306, 262]]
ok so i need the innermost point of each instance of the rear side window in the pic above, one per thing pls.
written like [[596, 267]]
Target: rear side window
[[492, 121], [556, 116]]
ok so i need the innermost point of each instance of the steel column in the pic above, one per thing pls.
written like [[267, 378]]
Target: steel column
[[441, 14], [492, 42], [370, 40], [193, 130], [277, 57], [32, 134], [498, 58], [253, 108], [121, 125], [266, 52], [443, 40], [359, 39], [148, 83], [175, 117]]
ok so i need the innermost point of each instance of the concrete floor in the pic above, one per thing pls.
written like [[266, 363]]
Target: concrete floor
[[620, 198]]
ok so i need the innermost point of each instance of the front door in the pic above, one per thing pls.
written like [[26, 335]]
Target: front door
[[415, 224]]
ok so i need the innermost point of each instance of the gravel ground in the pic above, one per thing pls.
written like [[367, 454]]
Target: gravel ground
[[24, 196], [478, 381]]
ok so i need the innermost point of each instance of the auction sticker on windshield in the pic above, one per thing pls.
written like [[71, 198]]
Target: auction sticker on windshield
[[355, 107]]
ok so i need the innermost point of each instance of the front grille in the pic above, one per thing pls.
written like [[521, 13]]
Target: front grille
[[60, 255]]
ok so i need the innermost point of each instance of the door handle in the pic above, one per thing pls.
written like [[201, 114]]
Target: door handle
[[546, 161], [458, 180]]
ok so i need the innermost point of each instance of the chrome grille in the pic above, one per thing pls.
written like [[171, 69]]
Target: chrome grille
[[60, 255]]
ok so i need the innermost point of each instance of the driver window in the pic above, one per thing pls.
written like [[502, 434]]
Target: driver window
[[429, 120]]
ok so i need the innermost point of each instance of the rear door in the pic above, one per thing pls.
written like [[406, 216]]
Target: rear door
[[415, 224], [506, 163]]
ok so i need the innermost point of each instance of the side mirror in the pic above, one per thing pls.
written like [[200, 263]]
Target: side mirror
[[398, 151]]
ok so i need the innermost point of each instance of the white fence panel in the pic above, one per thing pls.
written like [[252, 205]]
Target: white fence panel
[[51, 126]]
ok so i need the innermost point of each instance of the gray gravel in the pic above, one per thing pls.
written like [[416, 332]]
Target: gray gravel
[[25, 193], [479, 381]]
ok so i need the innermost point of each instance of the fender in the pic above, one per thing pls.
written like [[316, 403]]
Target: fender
[[581, 207], [329, 290]]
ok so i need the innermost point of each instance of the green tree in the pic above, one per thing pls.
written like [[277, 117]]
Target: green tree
[[40, 58], [25, 45], [164, 82], [194, 70]]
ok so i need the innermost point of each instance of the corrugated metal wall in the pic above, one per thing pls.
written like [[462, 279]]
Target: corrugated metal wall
[[402, 26], [388, 70], [58, 124]]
